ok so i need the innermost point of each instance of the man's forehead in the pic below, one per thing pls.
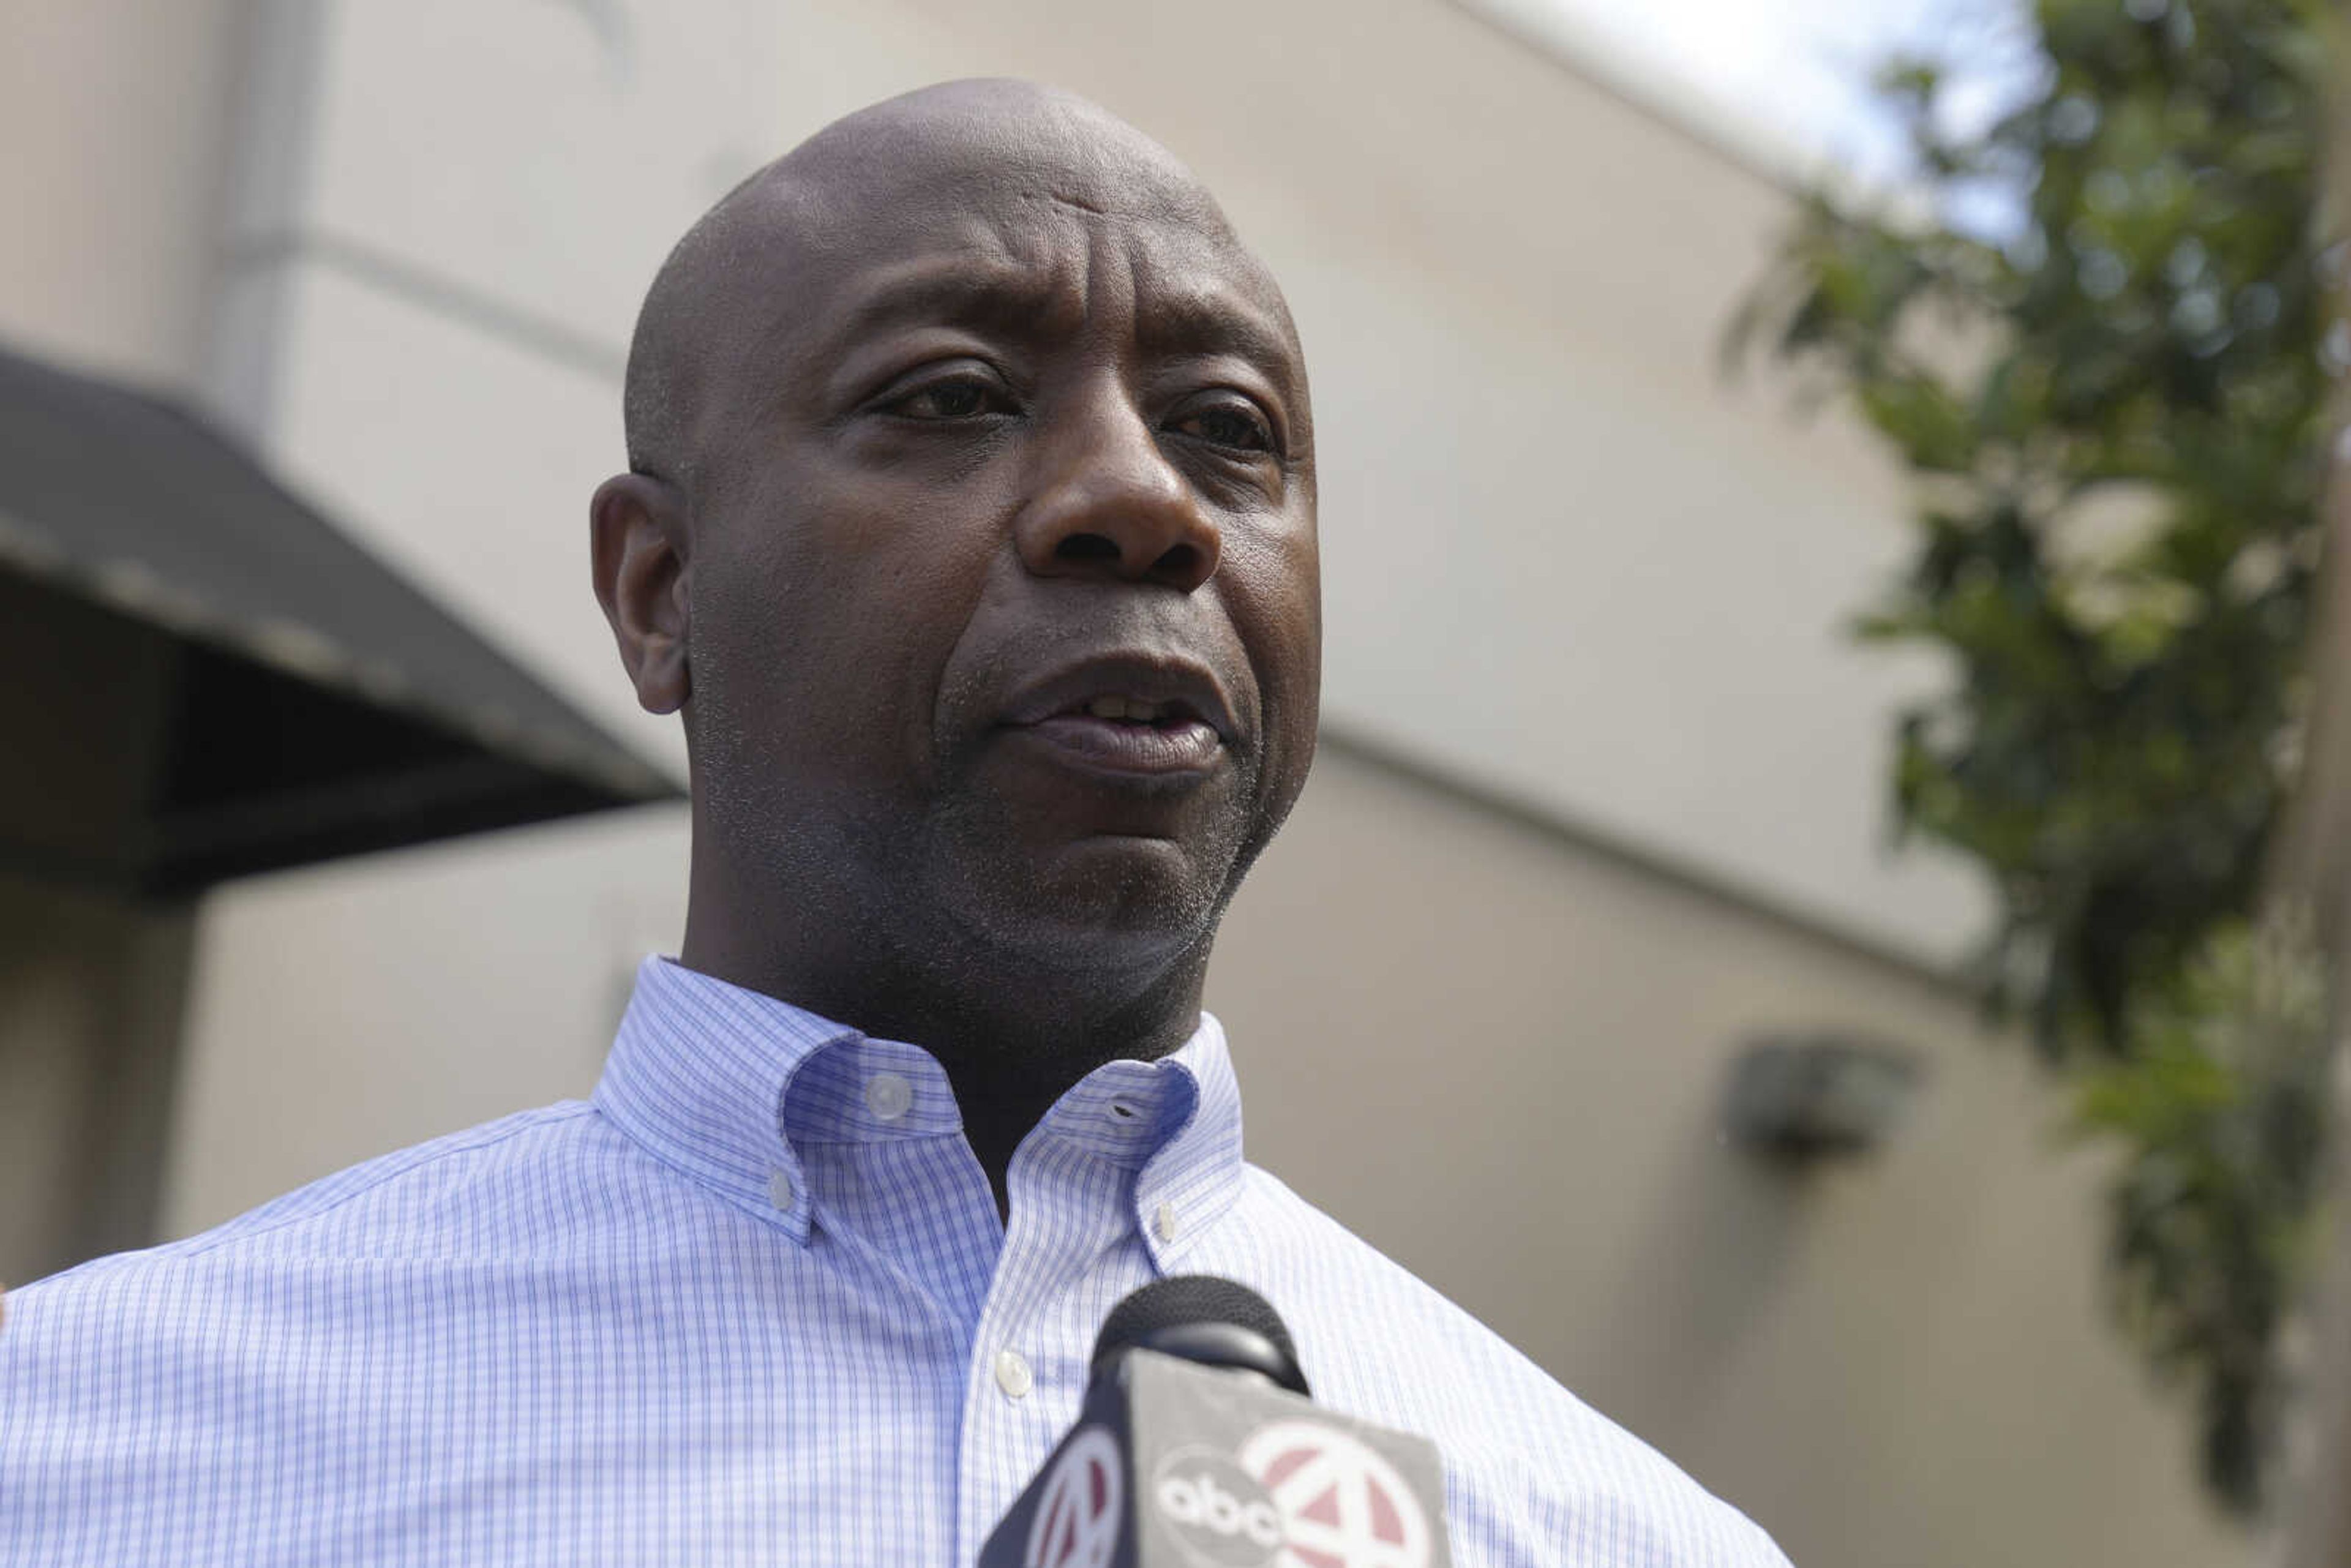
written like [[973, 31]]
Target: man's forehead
[[1008, 136], [1028, 257], [955, 202], [904, 221]]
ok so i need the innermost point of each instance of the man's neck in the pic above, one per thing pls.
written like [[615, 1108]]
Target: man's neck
[[1012, 1037]]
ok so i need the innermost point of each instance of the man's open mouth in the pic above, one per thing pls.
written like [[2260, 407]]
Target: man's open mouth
[[1132, 734], [1129, 713], [1134, 710]]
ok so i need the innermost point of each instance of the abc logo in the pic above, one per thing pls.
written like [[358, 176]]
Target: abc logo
[[1216, 1510]]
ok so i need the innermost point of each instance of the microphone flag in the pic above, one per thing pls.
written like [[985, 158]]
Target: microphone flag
[[1176, 1465]]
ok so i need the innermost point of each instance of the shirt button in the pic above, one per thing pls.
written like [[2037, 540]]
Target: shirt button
[[888, 1096], [1012, 1375], [780, 1188], [1163, 1222]]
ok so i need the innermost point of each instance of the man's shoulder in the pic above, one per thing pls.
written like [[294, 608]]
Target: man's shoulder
[[411, 1200], [1527, 1461]]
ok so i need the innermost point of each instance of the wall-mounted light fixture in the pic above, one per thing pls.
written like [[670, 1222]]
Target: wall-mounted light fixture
[[1804, 1096]]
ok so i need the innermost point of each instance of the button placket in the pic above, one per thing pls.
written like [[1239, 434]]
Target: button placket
[[1013, 1415]]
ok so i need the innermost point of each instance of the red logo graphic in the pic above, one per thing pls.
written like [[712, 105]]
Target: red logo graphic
[[1342, 1504], [1077, 1518]]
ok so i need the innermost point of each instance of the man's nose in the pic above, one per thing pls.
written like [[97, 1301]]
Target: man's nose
[[1111, 505]]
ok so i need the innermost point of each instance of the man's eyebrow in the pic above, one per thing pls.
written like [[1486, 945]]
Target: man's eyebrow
[[983, 289], [1221, 320], [961, 290]]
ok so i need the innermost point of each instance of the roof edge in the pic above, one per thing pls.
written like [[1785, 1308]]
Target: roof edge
[[1749, 144]]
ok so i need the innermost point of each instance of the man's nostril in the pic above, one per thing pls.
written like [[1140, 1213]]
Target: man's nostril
[[1086, 546], [1180, 562]]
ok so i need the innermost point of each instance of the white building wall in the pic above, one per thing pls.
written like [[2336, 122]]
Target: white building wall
[[116, 120], [1502, 1059], [1565, 563], [114, 150]]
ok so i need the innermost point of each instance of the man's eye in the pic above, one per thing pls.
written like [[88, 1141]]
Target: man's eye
[[962, 398], [1227, 425]]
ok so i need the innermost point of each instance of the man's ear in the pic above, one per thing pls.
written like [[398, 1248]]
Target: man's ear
[[637, 541]]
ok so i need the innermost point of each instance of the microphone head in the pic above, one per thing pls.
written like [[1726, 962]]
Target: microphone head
[[1202, 1318]]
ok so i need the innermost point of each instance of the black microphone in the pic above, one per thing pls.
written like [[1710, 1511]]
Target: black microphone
[[1199, 1447]]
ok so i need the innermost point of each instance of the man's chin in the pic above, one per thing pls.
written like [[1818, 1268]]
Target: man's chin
[[1108, 902]]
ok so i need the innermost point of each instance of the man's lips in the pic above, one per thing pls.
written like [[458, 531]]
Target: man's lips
[[1128, 714], [1179, 745]]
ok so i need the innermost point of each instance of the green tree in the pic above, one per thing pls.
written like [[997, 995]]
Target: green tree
[[2099, 331]]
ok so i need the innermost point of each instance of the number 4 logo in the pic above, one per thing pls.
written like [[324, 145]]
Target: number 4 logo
[[1342, 1504], [1078, 1513]]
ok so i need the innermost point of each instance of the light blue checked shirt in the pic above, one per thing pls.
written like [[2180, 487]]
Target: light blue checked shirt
[[751, 1304]]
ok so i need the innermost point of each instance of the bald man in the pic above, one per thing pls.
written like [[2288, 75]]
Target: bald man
[[969, 527]]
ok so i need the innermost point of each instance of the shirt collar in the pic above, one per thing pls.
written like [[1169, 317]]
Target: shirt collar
[[729, 1086]]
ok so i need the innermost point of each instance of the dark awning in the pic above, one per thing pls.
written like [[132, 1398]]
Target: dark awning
[[205, 677]]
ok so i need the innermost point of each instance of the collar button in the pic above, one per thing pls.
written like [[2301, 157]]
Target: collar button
[[888, 1096]]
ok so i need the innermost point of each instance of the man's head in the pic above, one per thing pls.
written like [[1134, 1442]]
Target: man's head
[[970, 521]]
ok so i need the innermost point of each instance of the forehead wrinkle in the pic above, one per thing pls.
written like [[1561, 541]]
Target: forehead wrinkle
[[1029, 281], [1210, 318], [967, 290]]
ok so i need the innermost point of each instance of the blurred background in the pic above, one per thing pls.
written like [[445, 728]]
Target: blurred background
[[1883, 1072]]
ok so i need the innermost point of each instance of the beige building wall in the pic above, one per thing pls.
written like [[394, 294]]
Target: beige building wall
[[1501, 1055], [117, 118], [92, 992], [1565, 563]]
